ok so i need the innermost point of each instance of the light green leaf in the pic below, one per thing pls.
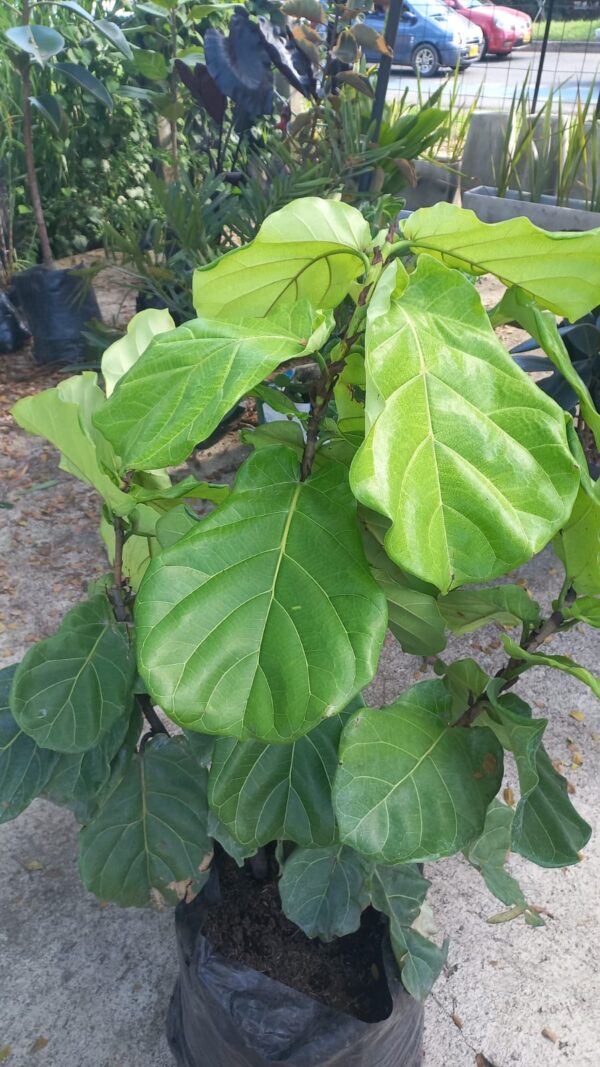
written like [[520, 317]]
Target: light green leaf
[[561, 271], [63, 416], [73, 687], [121, 355], [409, 787], [584, 609], [40, 42], [465, 610], [560, 663], [413, 618], [80, 779], [324, 890], [466, 681], [577, 544], [311, 249], [349, 394], [468, 458], [265, 619], [185, 383], [152, 65], [150, 835], [24, 767], [546, 828], [490, 852], [518, 307], [86, 81], [399, 893], [172, 526], [187, 489], [266, 793]]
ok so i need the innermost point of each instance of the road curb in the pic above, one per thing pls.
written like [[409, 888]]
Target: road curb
[[563, 46]]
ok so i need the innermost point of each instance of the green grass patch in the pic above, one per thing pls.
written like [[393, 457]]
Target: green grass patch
[[577, 30]]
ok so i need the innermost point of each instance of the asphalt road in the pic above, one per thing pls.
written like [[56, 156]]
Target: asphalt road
[[568, 73]]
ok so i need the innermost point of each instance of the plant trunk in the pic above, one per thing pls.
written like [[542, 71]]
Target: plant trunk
[[34, 189]]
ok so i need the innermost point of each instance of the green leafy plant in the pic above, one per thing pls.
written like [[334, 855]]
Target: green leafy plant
[[427, 464]]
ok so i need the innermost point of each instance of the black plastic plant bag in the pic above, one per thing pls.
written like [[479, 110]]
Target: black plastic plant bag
[[13, 333], [223, 1014], [57, 304]]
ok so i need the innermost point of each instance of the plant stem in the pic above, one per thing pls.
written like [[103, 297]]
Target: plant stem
[[147, 710], [34, 189], [514, 667], [322, 395]]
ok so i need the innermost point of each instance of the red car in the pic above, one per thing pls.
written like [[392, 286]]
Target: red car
[[503, 28]]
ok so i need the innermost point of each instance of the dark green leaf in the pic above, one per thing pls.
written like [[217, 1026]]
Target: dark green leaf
[[265, 619], [114, 34], [152, 65], [465, 680], [421, 961], [324, 890], [577, 545], [86, 81], [24, 768], [70, 689], [150, 837], [50, 108], [265, 793], [399, 893], [409, 786], [490, 852]]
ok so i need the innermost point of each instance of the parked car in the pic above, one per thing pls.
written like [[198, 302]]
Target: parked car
[[429, 37], [503, 28]]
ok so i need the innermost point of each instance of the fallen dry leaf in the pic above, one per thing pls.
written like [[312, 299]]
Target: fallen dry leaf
[[456, 1019], [577, 715], [39, 1044], [509, 797], [5, 1052], [33, 865], [550, 1035]]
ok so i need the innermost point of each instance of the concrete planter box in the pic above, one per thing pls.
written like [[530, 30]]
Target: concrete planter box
[[434, 184], [489, 207]]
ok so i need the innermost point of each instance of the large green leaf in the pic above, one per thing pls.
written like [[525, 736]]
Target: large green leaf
[[121, 355], [465, 610], [73, 687], [465, 680], [516, 306], [150, 835], [468, 458], [559, 663], [546, 828], [577, 544], [561, 271], [584, 609], [489, 854], [311, 249], [152, 65], [264, 619], [409, 786], [324, 890], [266, 793], [79, 779], [24, 767], [63, 416], [186, 381], [399, 893], [49, 106], [86, 81], [40, 42]]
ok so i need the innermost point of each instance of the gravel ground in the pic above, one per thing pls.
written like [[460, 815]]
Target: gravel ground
[[88, 984]]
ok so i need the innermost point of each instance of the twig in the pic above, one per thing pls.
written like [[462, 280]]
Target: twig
[[147, 710], [513, 667], [321, 396]]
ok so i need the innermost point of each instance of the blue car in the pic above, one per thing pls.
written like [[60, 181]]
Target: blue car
[[430, 35]]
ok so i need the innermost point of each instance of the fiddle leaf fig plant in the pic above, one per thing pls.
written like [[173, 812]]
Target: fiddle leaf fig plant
[[428, 467]]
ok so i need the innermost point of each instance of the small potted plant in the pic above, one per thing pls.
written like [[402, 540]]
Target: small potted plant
[[266, 798]]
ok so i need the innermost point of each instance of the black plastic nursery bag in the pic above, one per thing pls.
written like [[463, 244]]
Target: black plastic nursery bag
[[13, 333], [223, 1014], [57, 304]]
